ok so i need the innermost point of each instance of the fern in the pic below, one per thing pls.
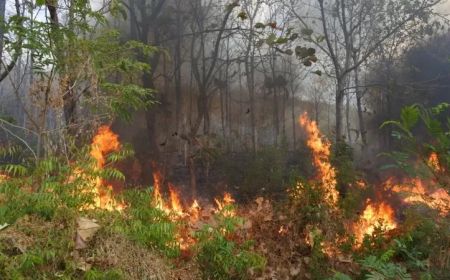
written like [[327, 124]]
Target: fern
[[15, 170], [381, 269]]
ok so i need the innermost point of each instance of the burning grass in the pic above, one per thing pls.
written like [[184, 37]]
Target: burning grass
[[300, 238]]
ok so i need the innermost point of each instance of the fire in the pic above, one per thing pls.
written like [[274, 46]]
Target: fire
[[416, 190], [173, 205], [283, 230], [321, 157], [157, 181], [375, 215], [433, 162], [194, 211], [103, 143], [3, 178], [175, 201], [221, 205]]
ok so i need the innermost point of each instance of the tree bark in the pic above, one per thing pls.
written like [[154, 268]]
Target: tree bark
[[359, 96], [2, 31]]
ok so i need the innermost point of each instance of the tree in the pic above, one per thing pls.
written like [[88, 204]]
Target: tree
[[15, 27], [353, 30]]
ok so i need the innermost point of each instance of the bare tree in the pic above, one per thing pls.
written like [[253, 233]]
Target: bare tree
[[361, 27]]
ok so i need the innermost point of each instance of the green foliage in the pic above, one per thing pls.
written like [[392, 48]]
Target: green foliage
[[45, 186], [318, 265], [94, 274], [219, 256], [380, 268], [148, 225], [111, 57], [307, 198], [436, 123], [342, 160], [340, 276]]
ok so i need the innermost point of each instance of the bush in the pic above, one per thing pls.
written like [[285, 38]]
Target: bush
[[222, 258], [307, 199], [148, 225]]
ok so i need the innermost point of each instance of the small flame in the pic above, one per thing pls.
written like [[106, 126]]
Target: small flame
[[283, 230], [433, 162], [221, 204], [3, 178], [375, 215], [194, 211], [321, 157]]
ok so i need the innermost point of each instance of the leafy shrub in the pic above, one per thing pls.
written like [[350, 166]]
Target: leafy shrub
[[219, 256], [148, 225], [375, 268], [307, 199], [436, 124]]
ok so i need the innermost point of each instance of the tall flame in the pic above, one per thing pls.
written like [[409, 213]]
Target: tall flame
[[321, 157], [103, 143], [157, 181], [375, 215], [175, 201]]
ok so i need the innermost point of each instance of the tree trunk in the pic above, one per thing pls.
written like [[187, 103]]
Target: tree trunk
[[339, 109], [294, 122], [2, 18]]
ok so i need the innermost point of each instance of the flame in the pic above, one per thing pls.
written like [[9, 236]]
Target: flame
[[433, 162], [321, 157], [283, 230], [416, 190], [104, 142], [221, 205], [3, 178], [175, 201], [194, 211], [173, 206], [157, 179], [375, 215]]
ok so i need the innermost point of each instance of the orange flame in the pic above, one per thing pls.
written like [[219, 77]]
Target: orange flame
[[104, 142], [375, 215], [175, 201], [283, 230], [221, 204], [157, 179], [321, 157], [3, 178], [433, 162], [416, 190], [194, 211]]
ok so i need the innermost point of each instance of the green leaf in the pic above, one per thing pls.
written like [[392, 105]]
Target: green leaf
[[409, 116], [281, 40], [260, 25], [271, 39]]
